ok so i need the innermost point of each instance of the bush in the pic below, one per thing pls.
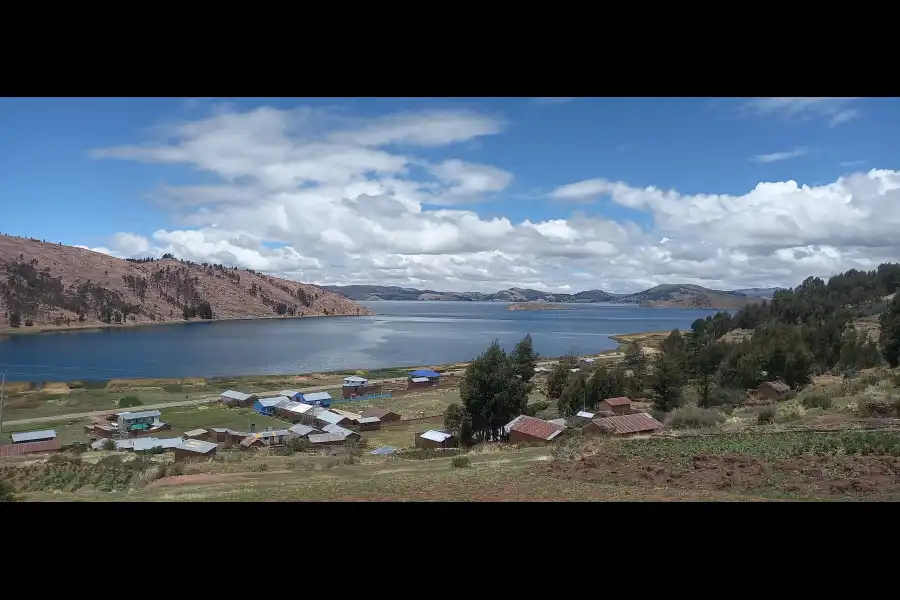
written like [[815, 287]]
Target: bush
[[109, 444], [129, 401], [693, 417], [260, 466], [766, 415], [173, 388], [876, 406], [459, 462], [428, 453], [7, 492], [817, 400], [726, 397], [535, 407]]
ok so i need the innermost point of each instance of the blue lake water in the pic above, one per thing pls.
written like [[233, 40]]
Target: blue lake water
[[399, 334]]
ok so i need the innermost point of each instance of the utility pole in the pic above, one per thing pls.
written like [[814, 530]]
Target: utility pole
[[2, 385]]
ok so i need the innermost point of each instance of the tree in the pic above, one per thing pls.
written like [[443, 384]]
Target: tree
[[637, 362], [524, 358], [15, 320], [574, 396], [890, 333], [665, 383], [458, 421], [557, 379], [704, 365], [491, 392]]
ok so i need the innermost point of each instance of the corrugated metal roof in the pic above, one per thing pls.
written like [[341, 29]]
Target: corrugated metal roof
[[618, 401], [584, 415], [330, 417], [140, 444], [33, 436], [635, 423], [532, 426], [355, 379], [142, 414], [778, 386], [384, 450], [298, 407], [269, 434], [324, 438], [233, 395], [198, 446], [377, 412], [364, 420], [290, 393], [338, 430], [316, 396], [125, 444], [220, 429], [436, 436], [29, 448], [195, 432], [419, 379], [250, 440], [346, 413], [424, 373], [302, 430], [272, 402]]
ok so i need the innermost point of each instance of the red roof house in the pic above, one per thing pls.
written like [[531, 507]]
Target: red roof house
[[530, 429]]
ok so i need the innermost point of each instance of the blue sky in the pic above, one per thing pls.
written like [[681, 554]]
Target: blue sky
[[142, 176]]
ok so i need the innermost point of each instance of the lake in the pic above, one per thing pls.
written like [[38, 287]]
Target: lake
[[400, 334]]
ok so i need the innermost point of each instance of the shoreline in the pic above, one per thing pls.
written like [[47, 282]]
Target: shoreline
[[39, 329], [621, 338]]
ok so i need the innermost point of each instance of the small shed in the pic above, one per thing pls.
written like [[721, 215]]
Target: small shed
[[301, 430], [531, 429], [318, 399], [561, 422], [346, 413], [233, 398], [584, 415], [27, 437], [383, 414], [250, 442], [197, 434], [347, 434], [434, 438], [195, 449], [618, 406], [327, 417], [219, 434], [427, 373], [773, 390], [624, 425], [327, 439], [145, 444], [368, 423], [292, 411], [266, 406]]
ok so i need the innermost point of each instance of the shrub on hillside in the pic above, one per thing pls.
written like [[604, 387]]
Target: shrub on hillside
[[7, 492], [816, 400], [726, 397], [694, 417], [459, 462], [880, 407], [173, 388], [766, 415], [108, 444], [536, 407], [129, 401]]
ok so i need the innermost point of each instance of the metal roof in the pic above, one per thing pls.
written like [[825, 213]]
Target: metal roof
[[350, 415], [778, 386], [125, 444], [377, 412], [337, 429], [587, 360], [195, 432], [355, 379], [250, 440], [198, 446], [618, 401], [635, 423], [364, 420], [314, 396], [29, 448], [235, 395], [302, 430], [142, 414], [330, 417], [140, 444], [424, 373], [220, 429], [384, 450], [298, 407], [532, 426], [33, 436], [584, 415], [436, 436], [322, 438], [419, 379], [290, 393], [272, 402], [268, 434]]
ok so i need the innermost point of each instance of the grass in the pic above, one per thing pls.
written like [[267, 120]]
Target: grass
[[400, 436], [186, 418], [68, 431]]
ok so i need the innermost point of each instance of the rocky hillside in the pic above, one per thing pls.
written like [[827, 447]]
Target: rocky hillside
[[689, 296], [43, 284]]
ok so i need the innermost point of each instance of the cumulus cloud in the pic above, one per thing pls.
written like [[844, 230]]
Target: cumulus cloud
[[325, 199], [834, 111]]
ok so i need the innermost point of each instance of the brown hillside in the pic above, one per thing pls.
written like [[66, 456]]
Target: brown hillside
[[51, 284]]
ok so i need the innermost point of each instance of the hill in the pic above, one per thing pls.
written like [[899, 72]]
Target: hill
[[47, 284], [757, 292], [389, 292], [689, 296]]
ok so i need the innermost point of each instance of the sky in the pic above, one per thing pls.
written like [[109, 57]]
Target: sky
[[465, 194]]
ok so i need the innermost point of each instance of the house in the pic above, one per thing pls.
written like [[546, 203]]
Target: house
[[346, 413], [423, 378], [368, 423], [250, 442], [617, 406], [436, 439], [138, 421], [327, 439], [383, 414], [384, 450], [317, 399], [328, 417], [219, 434], [301, 430], [27, 437], [357, 386], [145, 444], [19, 449], [347, 434], [530, 429], [233, 398], [270, 437], [194, 449], [624, 425], [292, 411], [773, 390], [294, 395], [266, 406], [197, 434]]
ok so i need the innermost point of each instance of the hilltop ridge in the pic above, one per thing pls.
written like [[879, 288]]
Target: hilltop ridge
[[45, 284]]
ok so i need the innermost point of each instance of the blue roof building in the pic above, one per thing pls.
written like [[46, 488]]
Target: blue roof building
[[428, 373], [317, 399], [266, 406]]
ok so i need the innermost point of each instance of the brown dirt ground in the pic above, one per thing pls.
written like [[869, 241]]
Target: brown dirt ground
[[842, 477]]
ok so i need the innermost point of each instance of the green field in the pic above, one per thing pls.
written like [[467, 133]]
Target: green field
[[186, 418]]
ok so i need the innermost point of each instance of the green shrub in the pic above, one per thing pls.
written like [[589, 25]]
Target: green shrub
[[7, 492], [536, 407], [726, 397], [459, 462], [694, 417], [129, 401], [876, 406], [260, 466], [816, 400], [173, 388], [108, 444], [428, 453], [871, 380], [766, 415]]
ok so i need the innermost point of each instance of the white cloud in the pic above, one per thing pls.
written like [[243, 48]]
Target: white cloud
[[832, 110], [779, 156], [323, 199]]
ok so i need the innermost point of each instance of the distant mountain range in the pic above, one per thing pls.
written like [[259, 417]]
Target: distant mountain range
[[676, 296]]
